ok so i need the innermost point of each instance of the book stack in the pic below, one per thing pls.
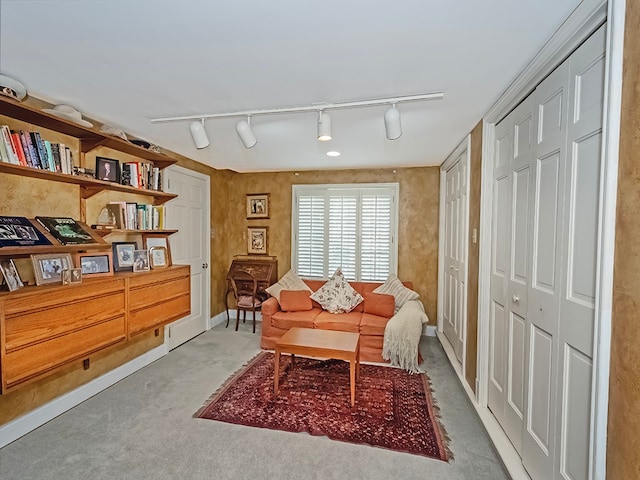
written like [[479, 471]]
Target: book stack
[[138, 216], [143, 175], [30, 150]]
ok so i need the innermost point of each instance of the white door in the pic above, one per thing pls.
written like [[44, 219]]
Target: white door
[[189, 213], [455, 237], [510, 271]]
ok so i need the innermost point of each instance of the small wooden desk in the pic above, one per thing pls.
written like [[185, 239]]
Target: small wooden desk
[[320, 343]]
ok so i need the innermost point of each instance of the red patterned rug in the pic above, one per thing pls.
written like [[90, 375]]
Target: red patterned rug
[[393, 410]]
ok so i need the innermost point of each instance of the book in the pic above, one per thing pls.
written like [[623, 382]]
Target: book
[[55, 152], [20, 232], [6, 139], [25, 149], [66, 230], [47, 148], [17, 143], [39, 148], [4, 155], [35, 158]]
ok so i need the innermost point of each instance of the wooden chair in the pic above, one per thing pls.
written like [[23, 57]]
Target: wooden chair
[[245, 290]]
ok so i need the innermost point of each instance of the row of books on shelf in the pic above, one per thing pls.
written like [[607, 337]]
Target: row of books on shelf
[[137, 216], [30, 150], [142, 175]]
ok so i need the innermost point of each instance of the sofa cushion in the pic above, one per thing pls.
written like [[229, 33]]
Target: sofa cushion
[[337, 296], [393, 286], [287, 320], [343, 322], [372, 324], [379, 304], [289, 281], [295, 300]]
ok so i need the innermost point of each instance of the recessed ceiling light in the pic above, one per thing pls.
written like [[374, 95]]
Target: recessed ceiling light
[[333, 154]]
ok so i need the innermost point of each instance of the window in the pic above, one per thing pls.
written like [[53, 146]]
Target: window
[[349, 226]]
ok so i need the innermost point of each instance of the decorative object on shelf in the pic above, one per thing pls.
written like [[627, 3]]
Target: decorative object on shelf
[[68, 113], [20, 232], [158, 257], [76, 275], [48, 267], [66, 230], [116, 132], [106, 218], [152, 240], [125, 174], [84, 172], [107, 169], [10, 275], [123, 255], [95, 264], [257, 240], [10, 87], [257, 205], [141, 261]]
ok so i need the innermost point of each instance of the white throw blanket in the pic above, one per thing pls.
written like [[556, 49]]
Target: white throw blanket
[[402, 336]]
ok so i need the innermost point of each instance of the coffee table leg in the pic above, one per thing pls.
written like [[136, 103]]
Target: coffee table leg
[[352, 371], [276, 372]]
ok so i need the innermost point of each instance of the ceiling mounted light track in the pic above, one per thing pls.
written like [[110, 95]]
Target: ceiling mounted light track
[[393, 126]]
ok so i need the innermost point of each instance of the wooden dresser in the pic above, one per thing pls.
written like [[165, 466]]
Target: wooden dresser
[[264, 269]]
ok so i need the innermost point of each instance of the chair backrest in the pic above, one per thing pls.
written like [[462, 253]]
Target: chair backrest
[[243, 283]]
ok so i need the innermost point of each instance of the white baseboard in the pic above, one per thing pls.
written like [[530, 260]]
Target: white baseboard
[[41, 415], [217, 320], [429, 330]]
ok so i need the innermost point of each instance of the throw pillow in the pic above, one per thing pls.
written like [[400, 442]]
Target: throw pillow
[[289, 281], [379, 304], [337, 296], [295, 300], [393, 286]]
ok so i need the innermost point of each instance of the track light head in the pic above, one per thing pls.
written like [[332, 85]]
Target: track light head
[[199, 134], [243, 127], [392, 123], [324, 126]]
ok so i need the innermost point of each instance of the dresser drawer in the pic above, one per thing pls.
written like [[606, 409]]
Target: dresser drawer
[[151, 294], [159, 314]]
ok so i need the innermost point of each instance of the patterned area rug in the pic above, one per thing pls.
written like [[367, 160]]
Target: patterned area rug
[[393, 410]]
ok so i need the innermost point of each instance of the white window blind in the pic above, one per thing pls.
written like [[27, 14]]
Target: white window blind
[[349, 226]]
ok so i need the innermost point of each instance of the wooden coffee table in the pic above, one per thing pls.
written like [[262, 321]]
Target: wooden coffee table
[[320, 343]]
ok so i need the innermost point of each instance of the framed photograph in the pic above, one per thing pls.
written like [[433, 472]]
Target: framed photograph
[[141, 261], [66, 277], [257, 240], [108, 169], [257, 205], [95, 264], [76, 275], [123, 255], [151, 240], [158, 257], [10, 275], [48, 267]]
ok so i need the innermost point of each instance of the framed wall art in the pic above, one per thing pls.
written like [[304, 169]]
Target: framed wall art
[[95, 264], [257, 240], [257, 205], [48, 267]]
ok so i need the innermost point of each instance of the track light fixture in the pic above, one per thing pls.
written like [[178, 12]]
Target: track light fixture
[[243, 127], [392, 124], [199, 134], [324, 126]]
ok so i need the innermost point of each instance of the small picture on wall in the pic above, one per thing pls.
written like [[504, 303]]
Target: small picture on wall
[[257, 205], [257, 240]]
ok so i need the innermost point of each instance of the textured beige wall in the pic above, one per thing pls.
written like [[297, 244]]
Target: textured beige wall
[[417, 226], [624, 382], [474, 256]]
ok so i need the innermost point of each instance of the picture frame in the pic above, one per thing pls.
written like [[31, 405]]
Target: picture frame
[[257, 205], [48, 267], [141, 261], [150, 240], [66, 277], [107, 169], [123, 256], [158, 257], [95, 264], [10, 275], [257, 238], [76, 275]]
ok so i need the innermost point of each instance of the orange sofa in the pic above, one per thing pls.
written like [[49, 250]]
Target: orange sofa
[[276, 323]]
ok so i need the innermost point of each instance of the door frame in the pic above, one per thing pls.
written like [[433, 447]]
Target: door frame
[[446, 165], [207, 228], [585, 19]]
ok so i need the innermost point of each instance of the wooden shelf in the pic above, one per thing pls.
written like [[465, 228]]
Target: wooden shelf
[[89, 139], [88, 186], [103, 232], [26, 251]]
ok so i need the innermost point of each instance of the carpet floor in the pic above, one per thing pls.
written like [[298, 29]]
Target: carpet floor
[[393, 410]]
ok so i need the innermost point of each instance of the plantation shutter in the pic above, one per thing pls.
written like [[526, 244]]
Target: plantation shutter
[[347, 226]]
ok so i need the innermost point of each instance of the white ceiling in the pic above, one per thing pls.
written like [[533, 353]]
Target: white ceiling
[[124, 62]]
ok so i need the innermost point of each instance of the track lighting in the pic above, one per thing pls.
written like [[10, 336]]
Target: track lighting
[[324, 126], [243, 127], [392, 123], [199, 134]]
